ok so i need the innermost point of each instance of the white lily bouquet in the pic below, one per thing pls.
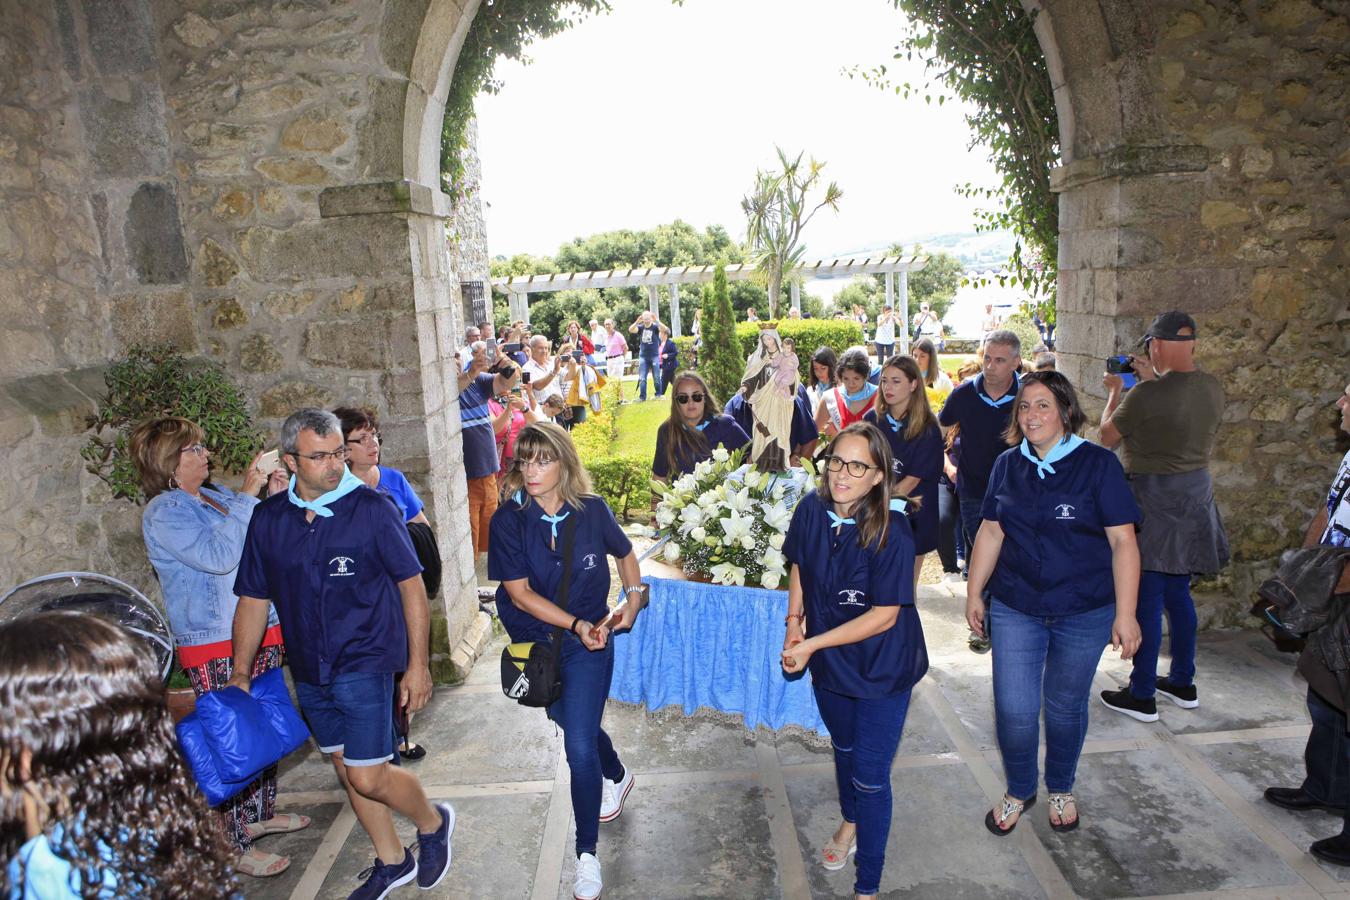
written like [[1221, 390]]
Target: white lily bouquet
[[726, 521]]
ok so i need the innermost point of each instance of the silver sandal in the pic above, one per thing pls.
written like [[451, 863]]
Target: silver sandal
[[1007, 807], [1057, 804]]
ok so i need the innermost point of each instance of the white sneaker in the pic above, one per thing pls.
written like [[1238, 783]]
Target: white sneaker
[[588, 883], [612, 795], [953, 578]]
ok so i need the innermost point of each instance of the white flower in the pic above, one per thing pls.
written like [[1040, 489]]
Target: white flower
[[747, 543], [699, 533], [665, 516], [672, 552], [703, 469], [721, 454], [686, 484], [778, 492], [739, 500], [753, 478], [709, 500], [770, 579], [692, 515], [776, 541], [777, 516], [727, 573], [736, 527], [774, 560]]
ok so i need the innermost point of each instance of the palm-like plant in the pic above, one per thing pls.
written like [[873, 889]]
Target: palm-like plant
[[777, 211]]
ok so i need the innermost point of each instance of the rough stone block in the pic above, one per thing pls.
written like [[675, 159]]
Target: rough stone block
[[293, 170], [195, 31], [1145, 291], [1223, 213], [217, 267], [126, 137], [334, 248], [70, 39], [258, 354], [121, 35], [288, 304], [399, 31], [284, 398], [317, 130], [228, 314], [1278, 293], [380, 135], [154, 235], [233, 205], [349, 346], [162, 317]]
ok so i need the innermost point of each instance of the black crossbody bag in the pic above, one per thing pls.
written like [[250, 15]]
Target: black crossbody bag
[[532, 670]]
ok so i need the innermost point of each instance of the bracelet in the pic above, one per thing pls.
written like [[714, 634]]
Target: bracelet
[[800, 617], [631, 589], [573, 627]]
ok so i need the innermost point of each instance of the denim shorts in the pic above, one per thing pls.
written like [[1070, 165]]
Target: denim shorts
[[353, 714]]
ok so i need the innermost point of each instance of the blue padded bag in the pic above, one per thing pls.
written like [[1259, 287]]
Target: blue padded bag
[[231, 737]]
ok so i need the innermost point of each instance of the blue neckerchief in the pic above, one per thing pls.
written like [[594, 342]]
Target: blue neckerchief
[[519, 496], [1006, 398], [837, 522], [320, 505], [896, 426], [868, 389], [1061, 450], [553, 522], [701, 426], [899, 504]]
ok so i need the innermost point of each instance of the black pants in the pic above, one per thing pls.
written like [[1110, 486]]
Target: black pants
[[950, 544]]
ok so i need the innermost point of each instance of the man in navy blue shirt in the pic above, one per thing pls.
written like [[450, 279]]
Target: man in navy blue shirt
[[648, 330], [982, 407], [335, 559]]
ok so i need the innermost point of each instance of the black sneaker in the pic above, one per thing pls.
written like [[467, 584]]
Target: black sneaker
[[1185, 697], [1122, 701]]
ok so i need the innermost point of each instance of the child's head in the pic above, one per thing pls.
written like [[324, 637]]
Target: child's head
[[86, 742], [789, 345]]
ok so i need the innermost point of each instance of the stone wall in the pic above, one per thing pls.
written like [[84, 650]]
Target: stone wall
[[228, 177], [1206, 158], [468, 229]]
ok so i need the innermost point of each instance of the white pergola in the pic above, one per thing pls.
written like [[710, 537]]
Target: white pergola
[[519, 287]]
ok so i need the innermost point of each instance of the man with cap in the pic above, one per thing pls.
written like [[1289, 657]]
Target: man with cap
[[1166, 426]]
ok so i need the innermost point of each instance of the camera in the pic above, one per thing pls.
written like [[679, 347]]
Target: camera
[[1119, 365]]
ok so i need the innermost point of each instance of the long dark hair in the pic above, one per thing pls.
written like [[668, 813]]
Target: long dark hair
[[682, 441], [872, 513], [919, 413], [86, 733], [827, 357], [926, 345]]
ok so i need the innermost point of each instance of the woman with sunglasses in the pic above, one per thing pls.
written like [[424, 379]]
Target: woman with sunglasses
[[695, 428], [851, 618], [549, 495], [1056, 548], [903, 415], [194, 535]]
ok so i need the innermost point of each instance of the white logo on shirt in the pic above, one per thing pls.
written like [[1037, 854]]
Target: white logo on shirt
[[1065, 512], [851, 598], [589, 559], [342, 563]]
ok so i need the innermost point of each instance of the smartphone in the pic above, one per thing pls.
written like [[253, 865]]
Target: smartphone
[[511, 348], [491, 349], [515, 391], [1124, 367], [578, 355], [524, 377], [269, 462]]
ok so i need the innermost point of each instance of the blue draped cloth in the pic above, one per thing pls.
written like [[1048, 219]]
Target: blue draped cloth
[[704, 645]]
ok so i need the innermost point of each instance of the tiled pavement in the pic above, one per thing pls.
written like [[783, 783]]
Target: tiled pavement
[[1171, 809]]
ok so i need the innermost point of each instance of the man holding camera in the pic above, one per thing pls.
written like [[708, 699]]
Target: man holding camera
[[1166, 426], [477, 385]]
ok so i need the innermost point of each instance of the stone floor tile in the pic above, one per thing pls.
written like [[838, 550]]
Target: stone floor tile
[[300, 846], [666, 741], [957, 860], [1150, 829], [473, 738], [681, 841]]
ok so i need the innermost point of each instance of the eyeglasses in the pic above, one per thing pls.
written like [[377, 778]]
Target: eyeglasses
[[855, 468], [196, 449], [370, 438], [332, 456], [540, 463], [685, 398]]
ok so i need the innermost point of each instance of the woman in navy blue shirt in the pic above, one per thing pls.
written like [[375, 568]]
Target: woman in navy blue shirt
[[1057, 550], [851, 619], [903, 415], [546, 487], [695, 428]]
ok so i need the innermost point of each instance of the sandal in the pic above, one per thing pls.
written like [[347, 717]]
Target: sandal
[[281, 824], [411, 751], [1057, 803], [1007, 807], [834, 857], [261, 865]]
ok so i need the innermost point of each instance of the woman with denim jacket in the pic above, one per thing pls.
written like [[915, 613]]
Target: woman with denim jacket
[[194, 535]]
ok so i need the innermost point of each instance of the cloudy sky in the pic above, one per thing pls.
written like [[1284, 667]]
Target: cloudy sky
[[656, 112]]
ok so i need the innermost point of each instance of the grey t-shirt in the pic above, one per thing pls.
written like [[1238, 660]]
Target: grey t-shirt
[[1168, 424]]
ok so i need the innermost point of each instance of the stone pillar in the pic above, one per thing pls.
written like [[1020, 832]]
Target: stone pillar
[[674, 310], [901, 306], [654, 300], [795, 292]]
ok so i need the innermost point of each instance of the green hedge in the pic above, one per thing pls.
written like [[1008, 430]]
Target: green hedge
[[622, 480], [838, 334]]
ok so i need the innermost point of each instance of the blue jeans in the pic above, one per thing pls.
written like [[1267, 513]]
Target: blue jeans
[[590, 753], [865, 734], [354, 714], [1327, 756], [645, 367], [1159, 591], [1048, 659], [884, 352]]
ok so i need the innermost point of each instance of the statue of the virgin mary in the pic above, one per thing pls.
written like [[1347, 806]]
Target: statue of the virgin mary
[[770, 388]]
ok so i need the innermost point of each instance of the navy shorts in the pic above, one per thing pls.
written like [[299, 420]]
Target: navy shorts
[[353, 714]]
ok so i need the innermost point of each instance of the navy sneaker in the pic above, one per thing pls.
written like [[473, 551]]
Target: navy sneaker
[[434, 850], [380, 879]]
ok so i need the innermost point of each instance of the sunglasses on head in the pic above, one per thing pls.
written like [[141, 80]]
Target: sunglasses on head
[[685, 398]]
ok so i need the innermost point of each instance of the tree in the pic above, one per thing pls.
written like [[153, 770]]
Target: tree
[[776, 212], [719, 361]]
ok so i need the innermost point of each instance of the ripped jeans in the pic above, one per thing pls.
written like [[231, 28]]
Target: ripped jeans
[[865, 733]]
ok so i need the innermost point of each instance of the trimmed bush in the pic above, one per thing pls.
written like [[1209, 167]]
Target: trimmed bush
[[622, 480]]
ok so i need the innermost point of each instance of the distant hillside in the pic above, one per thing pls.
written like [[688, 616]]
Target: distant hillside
[[982, 250]]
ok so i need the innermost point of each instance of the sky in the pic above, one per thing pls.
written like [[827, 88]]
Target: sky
[[656, 112]]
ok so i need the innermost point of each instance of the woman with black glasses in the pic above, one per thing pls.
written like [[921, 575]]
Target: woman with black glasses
[[851, 617], [695, 428]]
